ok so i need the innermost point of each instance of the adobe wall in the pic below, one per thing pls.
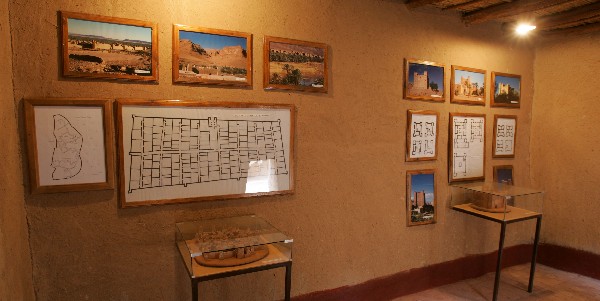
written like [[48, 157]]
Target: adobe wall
[[347, 217]]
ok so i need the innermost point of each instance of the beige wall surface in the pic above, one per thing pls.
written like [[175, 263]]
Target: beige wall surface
[[566, 145], [347, 217], [15, 258]]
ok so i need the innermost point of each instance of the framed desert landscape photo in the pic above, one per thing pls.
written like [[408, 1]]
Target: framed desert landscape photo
[[420, 199], [506, 91], [505, 135], [211, 56], [424, 80], [203, 151], [466, 154], [107, 47], [295, 65], [69, 144], [421, 135], [504, 174], [467, 85]]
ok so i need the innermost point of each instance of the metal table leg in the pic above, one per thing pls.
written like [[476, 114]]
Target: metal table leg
[[499, 262], [194, 289], [288, 281], [534, 255]]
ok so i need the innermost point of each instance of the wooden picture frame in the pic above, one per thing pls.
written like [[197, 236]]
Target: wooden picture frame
[[506, 90], [173, 151], [424, 80], [504, 174], [420, 198], [466, 143], [69, 144], [295, 65], [206, 56], [421, 135], [108, 47], [505, 136], [467, 85]]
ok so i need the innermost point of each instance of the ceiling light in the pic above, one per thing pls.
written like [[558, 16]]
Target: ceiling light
[[523, 29]]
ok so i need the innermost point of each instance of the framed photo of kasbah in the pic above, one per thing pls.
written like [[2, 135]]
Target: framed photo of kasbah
[[108, 48], [466, 141], [69, 144], [420, 199], [176, 151], [424, 80], [211, 56], [295, 65], [504, 174], [421, 135], [505, 136], [467, 85], [506, 91]]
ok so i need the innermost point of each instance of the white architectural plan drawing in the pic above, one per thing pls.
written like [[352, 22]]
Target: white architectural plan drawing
[[422, 135], [505, 131], [468, 146]]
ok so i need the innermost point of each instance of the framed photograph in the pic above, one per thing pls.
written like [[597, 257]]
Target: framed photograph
[[420, 201], [504, 174], [424, 80], [295, 65], [506, 91], [109, 48], [173, 151], [69, 144], [467, 86], [211, 56], [467, 147], [505, 136], [421, 135]]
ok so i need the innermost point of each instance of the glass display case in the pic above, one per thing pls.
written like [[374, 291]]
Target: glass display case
[[223, 247]]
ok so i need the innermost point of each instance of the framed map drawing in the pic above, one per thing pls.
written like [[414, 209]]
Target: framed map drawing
[[421, 135], [211, 56], [506, 91], [504, 174], [424, 80], [173, 151], [295, 65], [505, 135], [467, 147], [69, 144], [467, 85], [108, 47], [420, 201]]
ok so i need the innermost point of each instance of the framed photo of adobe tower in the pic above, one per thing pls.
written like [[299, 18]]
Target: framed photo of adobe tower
[[506, 91], [467, 85], [420, 199], [424, 80]]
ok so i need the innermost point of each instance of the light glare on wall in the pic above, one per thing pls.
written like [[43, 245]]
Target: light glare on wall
[[523, 29]]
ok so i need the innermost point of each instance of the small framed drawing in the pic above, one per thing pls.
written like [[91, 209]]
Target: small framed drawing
[[69, 144], [211, 56], [506, 91], [467, 86], [505, 136], [420, 201], [424, 80], [504, 174], [173, 151], [295, 65], [421, 135], [107, 47], [467, 147]]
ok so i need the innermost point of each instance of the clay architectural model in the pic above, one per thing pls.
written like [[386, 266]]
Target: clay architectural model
[[229, 247]]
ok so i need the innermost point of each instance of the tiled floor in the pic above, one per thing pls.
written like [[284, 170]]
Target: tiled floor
[[550, 284]]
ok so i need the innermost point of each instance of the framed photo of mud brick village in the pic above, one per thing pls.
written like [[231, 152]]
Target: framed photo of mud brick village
[[108, 47], [505, 134], [420, 199], [211, 56], [421, 135], [69, 144], [295, 65], [506, 91], [424, 80], [467, 85]]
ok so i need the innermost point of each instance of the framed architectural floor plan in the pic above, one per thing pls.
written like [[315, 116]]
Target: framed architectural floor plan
[[174, 151], [467, 147], [421, 135], [505, 135], [69, 144]]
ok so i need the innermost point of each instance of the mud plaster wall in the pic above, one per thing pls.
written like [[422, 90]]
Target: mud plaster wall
[[347, 216], [566, 145], [15, 259]]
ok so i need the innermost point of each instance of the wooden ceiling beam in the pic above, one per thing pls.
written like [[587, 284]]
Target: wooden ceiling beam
[[507, 9], [464, 4], [578, 30], [412, 4], [582, 14]]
